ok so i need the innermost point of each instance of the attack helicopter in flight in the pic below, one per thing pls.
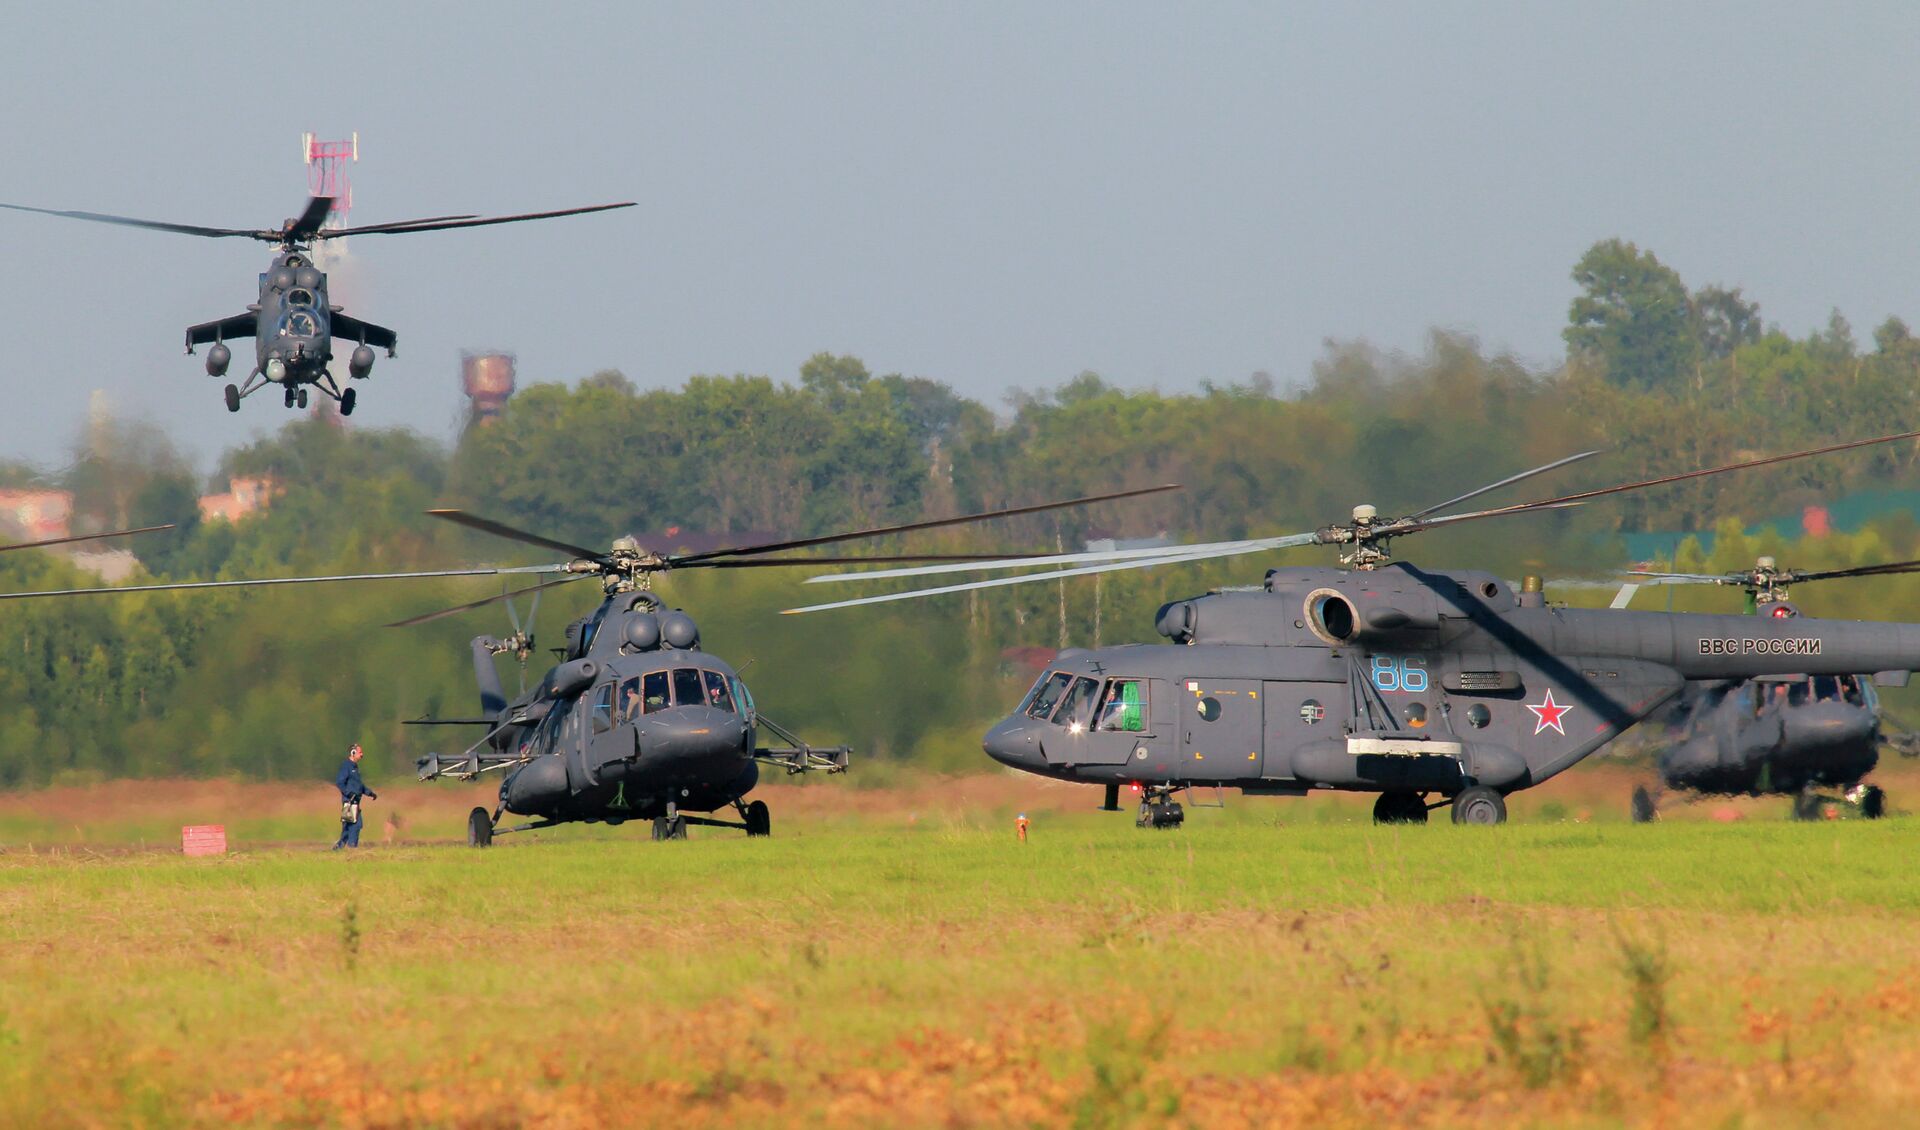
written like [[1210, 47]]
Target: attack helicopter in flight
[[1430, 688], [1783, 735], [292, 323], [637, 720]]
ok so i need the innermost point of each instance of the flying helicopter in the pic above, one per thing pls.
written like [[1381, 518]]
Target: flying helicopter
[[1785, 735], [1429, 688], [637, 720], [292, 323]]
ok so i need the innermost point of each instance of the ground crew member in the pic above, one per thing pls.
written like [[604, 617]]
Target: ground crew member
[[352, 789]]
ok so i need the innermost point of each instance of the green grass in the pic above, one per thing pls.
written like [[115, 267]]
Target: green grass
[[1100, 967]]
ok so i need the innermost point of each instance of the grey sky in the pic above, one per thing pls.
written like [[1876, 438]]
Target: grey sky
[[987, 194]]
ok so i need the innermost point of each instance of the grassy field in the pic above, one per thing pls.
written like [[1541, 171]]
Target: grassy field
[[893, 957]]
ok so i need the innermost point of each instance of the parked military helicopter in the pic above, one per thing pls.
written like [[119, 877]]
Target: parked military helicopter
[[1387, 678], [637, 721], [292, 324], [1788, 735]]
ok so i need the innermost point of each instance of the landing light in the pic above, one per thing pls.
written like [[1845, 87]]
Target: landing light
[[1076, 728]]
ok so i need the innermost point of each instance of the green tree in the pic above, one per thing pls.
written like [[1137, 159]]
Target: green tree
[[1633, 317]]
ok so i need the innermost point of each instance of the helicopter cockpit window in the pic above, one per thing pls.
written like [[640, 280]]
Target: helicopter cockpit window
[[718, 696], [299, 323], [1124, 706], [603, 708], [1826, 688], [1076, 708], [1047, 694], [299, 296], [687, 690], [743, 696], [629, 700], [1799, 693], [653, 692]]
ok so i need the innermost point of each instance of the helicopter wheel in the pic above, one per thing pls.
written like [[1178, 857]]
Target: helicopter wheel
[[1806, 805], [1479, 804], [1399, 806], [1873, 803], [759, 820], [301, 398], [346, 403], [289, 396], [1645, 811], [669, 828], [233, 398], [479, 828]]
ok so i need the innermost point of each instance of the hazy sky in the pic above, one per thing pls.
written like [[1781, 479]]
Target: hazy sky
[[988, 194]]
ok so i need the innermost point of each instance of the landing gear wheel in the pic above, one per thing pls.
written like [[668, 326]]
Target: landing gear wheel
[[1479, 804], [759, 820], [346, 403], [479, 828], [233, 398], [1160, 814], [289, 396], [302, 398], [669, 828], [1644, 809], [1873, 803], [1399, 806]]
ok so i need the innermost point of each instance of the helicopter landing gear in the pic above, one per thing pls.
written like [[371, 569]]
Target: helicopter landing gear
[[233, 399], [669, 828], [757, 818], [301, 399], [1873, 802], [1158, 809], [346, 403], [479, 828], [1479, 804], [1645, 810], [1807, 804], [1399, 806]]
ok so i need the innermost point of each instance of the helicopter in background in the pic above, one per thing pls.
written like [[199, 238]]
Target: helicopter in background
[[637, 720], [1429, 688], [1781, 735], [292, 323]]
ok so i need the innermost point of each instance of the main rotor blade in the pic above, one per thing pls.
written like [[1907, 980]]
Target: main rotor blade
[[117, 589], [309, 221], [483, 602], [1581, 496], [442, 223], [1858, 571], [881, 531], [84, 537], [983, 563], [499, 529], [1508, 481], [1055, 575], [1659, 578], [155, 225], [760, 562]]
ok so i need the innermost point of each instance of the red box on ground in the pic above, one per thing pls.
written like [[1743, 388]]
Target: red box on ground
[[203, 839]]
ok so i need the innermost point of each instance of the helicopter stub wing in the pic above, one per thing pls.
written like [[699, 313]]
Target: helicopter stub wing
[[206, 333], [366, 333]]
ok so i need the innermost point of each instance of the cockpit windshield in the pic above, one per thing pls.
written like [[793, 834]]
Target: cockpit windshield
[[1076, 708], [1046, 695], [299, 323], [1124, 705]]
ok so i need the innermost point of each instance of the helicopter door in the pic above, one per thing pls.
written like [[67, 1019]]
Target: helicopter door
[[1220, 729]]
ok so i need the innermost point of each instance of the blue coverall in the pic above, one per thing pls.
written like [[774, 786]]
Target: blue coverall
[[351, 787]]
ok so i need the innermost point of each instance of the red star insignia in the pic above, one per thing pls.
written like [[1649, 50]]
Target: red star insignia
[[1548, 713]]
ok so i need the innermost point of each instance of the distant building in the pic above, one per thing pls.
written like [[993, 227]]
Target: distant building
[[487, 379], [32, 514], [110, 565], [246, 494]]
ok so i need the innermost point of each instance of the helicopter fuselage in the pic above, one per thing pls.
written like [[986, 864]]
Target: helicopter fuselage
[[1775, 737], [1395, 679]]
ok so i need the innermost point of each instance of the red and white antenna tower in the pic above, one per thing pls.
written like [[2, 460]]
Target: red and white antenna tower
[[329, 173]]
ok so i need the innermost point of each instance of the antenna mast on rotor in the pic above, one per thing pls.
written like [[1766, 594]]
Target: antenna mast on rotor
[[329, 174]]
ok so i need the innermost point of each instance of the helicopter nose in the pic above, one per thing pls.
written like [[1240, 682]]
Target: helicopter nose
[[1014, 742], [688, 735], [1825, 726]]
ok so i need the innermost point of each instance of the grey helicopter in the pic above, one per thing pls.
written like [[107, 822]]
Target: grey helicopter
[[1441, 688], [292, 323], [1780, 735], [637, 720]]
